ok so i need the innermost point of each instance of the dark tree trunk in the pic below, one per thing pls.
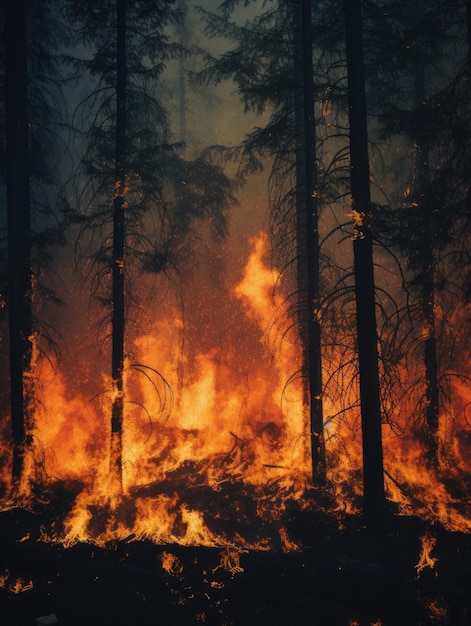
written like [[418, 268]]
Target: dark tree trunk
[[302, 309], [373, 479], [427, 273], [19, 229], [432, 393], [183, 41], [119, 236], [307, 233], [468, 31]]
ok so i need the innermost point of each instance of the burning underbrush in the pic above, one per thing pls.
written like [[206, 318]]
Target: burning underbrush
[[183, 509], [208, 512], [213, 448], [310, 566]]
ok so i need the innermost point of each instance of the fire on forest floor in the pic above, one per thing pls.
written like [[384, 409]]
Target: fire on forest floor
[[344, 574]]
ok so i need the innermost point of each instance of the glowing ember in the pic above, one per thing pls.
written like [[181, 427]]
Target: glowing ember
[[171, 563], [15, 585], [230, 560], [288, 545], [437, 613]]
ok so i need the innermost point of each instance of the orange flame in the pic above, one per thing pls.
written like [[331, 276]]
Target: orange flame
[[171, 563], [426, 560], [15, 585], [227, 423]]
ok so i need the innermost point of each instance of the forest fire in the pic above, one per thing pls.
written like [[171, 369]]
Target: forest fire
[[235, 294], [219, 429], [215, 460]]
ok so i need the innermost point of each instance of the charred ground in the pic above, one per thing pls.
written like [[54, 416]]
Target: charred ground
[[343, 573]]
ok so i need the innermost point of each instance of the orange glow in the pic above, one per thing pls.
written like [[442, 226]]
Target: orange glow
[[222, 423], [224, 417]]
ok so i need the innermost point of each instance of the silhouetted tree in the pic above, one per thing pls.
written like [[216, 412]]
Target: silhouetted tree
[[373, 481], [271, 63], [308, 231], [129, 162], [31, 96], [419, 91], [19, 227], [119, 237]]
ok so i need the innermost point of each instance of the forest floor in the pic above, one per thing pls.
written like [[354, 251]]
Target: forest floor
[[345, 575]]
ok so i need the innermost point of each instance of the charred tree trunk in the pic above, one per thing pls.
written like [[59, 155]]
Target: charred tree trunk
[[427, 274], [307, 218], [119, 236], [19, 229], [312, 249], [302, 310], [432, 392], [373, 479]]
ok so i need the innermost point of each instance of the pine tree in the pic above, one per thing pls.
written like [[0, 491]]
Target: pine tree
[[19, 227], [130, 162], [272, 66], [418, 89], [31, 95], [373, 481], [308, 232]]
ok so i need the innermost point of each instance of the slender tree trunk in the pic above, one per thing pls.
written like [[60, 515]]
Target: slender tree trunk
[[302, 310], [182, 36], [373, 479], [308, 233], [312, 245], [468, 31], [119, 236], [468, 72], [19, 229], [432, 392], [427, 287], [183, 41]]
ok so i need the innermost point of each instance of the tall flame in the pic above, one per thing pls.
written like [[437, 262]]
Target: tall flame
[[222, 423]]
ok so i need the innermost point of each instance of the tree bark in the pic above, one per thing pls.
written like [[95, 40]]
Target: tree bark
[[182, 100], [427, 272], [373, 479], [307, 213], [118, 269], [19, 229]]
